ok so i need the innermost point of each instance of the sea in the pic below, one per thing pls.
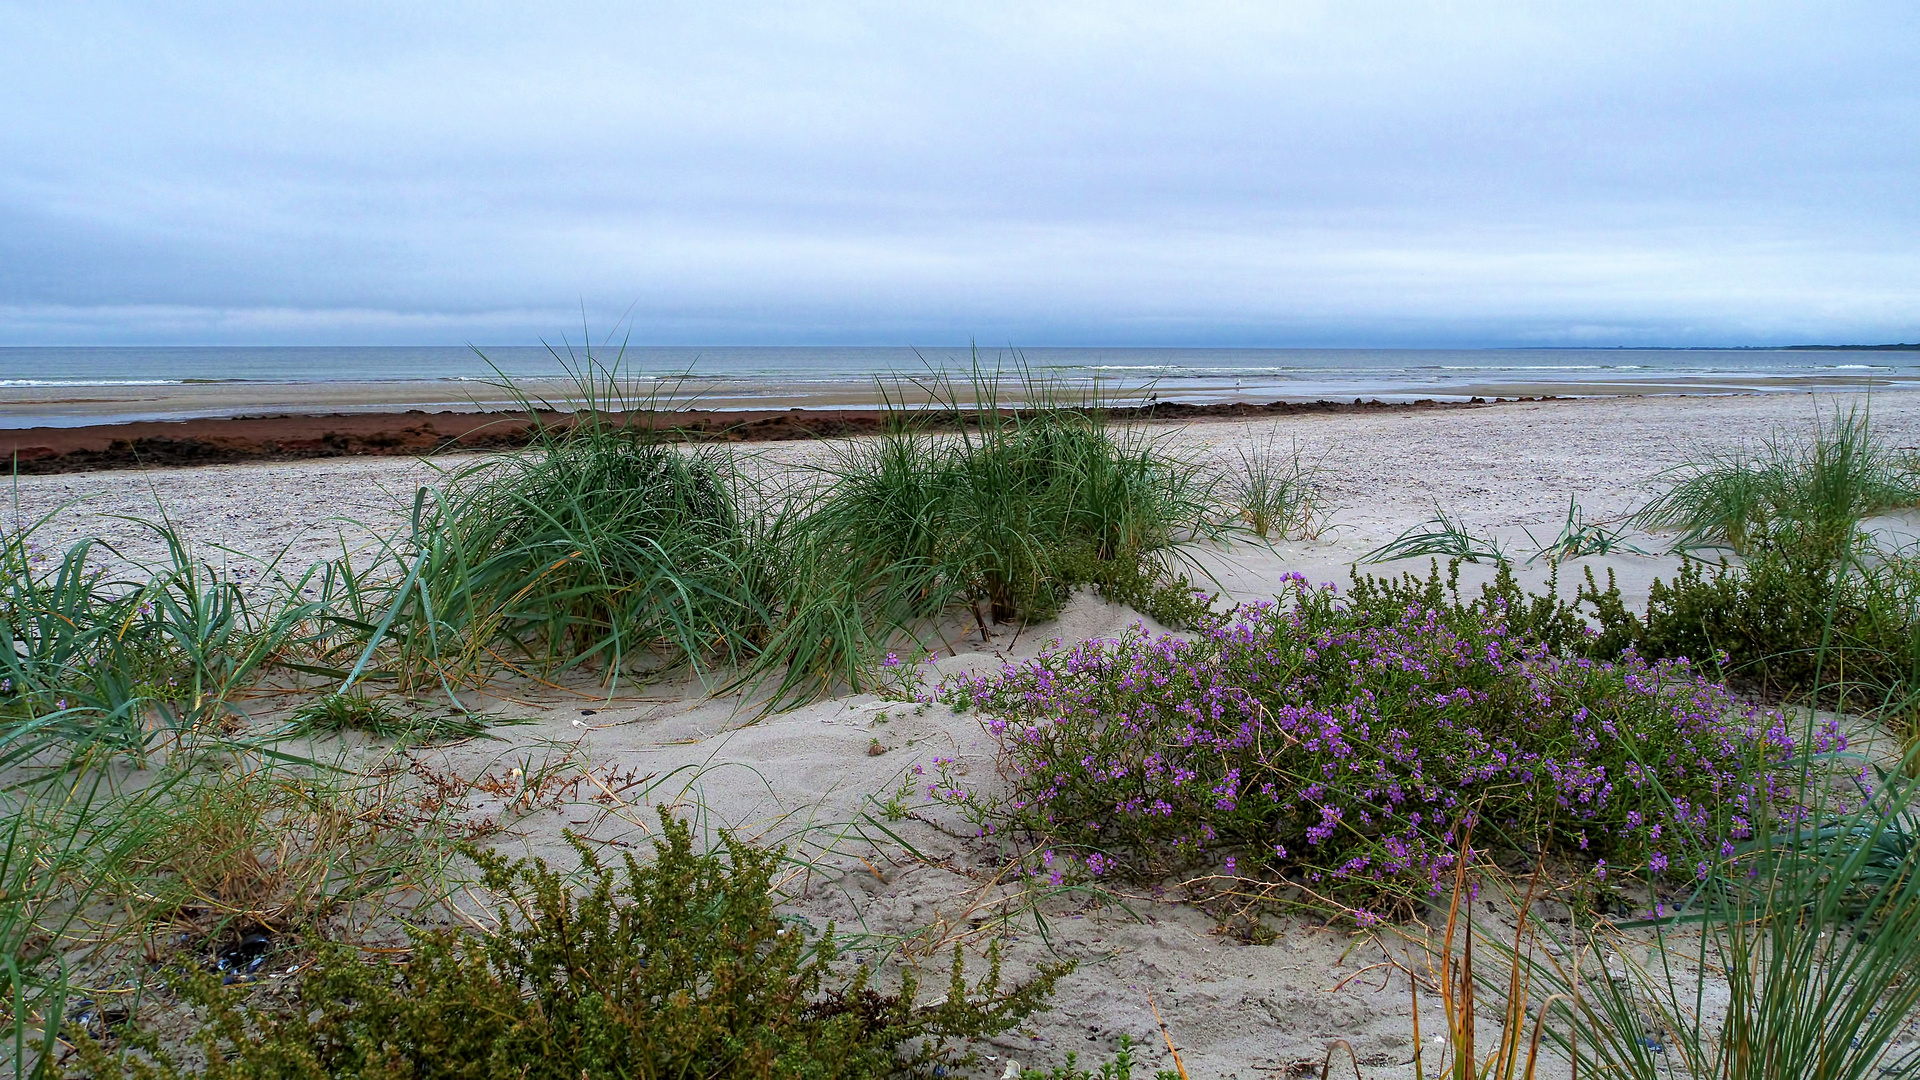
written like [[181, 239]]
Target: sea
[[793, 373]]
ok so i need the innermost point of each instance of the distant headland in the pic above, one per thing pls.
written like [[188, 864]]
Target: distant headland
[[1854, 348], [1895, 347]]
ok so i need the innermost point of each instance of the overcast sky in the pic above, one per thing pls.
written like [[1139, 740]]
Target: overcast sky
[[1342, 173]]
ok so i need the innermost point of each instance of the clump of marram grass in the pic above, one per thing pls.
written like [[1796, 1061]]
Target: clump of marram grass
[[680, 966], [1277, 494], [1796, 494], [1580, 538], [1441, 536], [99, 660], [601, 545], [1002, 519], [378, 717], [597, 545]]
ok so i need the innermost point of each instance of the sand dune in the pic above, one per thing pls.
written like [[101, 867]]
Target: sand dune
[[808, 776]]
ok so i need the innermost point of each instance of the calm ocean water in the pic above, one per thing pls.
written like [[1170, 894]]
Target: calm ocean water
[[1179, 374]]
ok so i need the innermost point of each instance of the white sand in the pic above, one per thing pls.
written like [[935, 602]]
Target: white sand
[[808, 776], [1500, 469]]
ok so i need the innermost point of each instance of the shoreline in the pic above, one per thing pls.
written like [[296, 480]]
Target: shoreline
[[1502, 468], [413, 433], [86, 392]]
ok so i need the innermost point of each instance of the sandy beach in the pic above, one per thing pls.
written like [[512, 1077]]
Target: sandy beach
[[812, 776], [670, 540], [1503, 468]]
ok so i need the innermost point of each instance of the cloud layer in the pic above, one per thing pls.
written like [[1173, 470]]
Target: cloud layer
[[1262, 173]]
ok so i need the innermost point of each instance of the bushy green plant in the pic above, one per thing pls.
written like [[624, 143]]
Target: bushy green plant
[[1884, 672], [680, 967], [601, 544], [1027, 497], [1781, 625], [1786, 627]]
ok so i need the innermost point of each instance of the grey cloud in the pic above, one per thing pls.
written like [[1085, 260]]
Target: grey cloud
[[1060, 174]]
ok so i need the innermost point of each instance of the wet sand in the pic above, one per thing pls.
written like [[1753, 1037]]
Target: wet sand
[[88, 405]]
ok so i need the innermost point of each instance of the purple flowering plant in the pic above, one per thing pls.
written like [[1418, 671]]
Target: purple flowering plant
[[896, 677], [1344, 743]]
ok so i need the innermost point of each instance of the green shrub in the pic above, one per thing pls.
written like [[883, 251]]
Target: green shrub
[[1780, 625], [675, 968], [1786, 628]]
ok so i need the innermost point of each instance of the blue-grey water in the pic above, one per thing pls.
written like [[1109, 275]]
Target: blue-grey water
[[30, 375]]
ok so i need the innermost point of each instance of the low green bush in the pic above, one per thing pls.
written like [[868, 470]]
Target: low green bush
[[680, 967], [1785, 628], [1780, 626], [1814, 611]]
